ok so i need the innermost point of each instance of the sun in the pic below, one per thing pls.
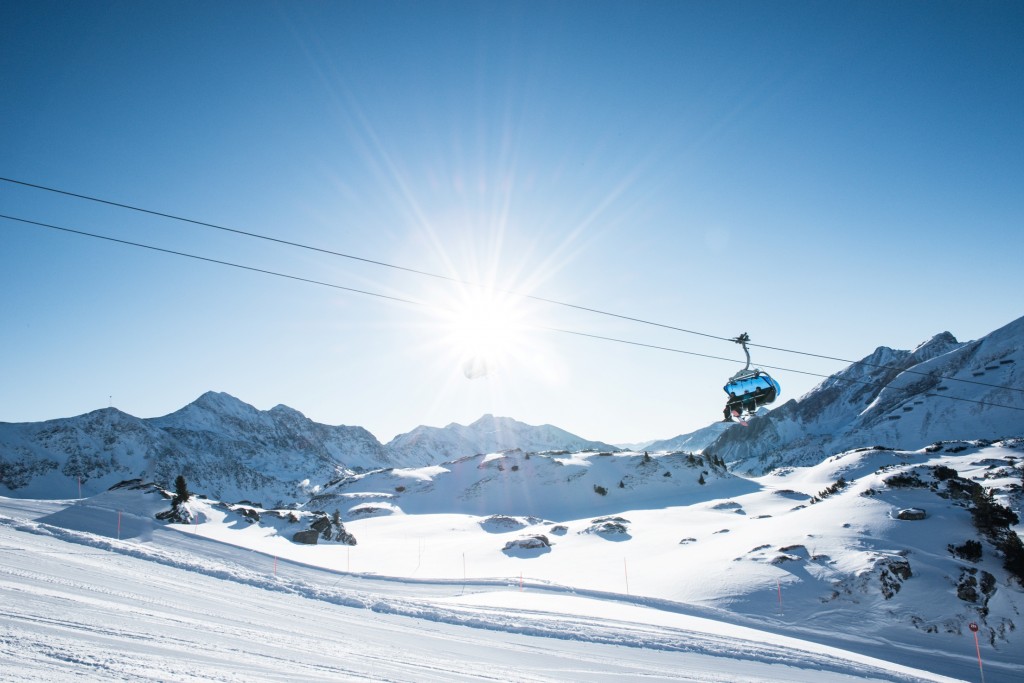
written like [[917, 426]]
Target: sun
[[487, 330]]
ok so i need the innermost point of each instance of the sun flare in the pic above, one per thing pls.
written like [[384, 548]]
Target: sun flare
[[487, 330]]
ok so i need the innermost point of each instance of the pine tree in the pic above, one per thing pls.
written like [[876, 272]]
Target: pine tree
[[181, 493]]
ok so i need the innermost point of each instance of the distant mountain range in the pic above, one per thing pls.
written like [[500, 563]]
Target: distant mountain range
[[693, 442], [230, 450], [942, 390], [489, 434]]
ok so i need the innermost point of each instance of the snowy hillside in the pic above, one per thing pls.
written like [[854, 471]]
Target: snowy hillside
[[806, 574], [232, 451], [226, 447], [694, 442], [899, 399], [552, 486], [489, 434], [165, 605]]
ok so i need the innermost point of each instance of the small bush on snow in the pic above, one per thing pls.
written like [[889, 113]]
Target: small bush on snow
[[970, 550]]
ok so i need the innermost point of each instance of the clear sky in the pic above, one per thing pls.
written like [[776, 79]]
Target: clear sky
[[826, 176]]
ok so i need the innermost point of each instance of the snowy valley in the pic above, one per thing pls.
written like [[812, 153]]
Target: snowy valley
[[824, 540]]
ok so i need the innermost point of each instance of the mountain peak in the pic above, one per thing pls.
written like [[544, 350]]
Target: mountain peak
[[936, 346], [220, 401], [487, 420], [488, 434], [282, 409]]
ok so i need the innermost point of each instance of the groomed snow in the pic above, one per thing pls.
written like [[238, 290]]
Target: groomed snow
[[82, 606], [741, 580]]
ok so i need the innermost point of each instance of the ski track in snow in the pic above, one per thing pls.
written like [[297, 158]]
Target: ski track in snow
[[161, 635]]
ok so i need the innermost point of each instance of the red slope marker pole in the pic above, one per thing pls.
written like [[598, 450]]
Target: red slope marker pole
[[625, 570], [974, 629], [119, 525], [779, 584], [79, 487]]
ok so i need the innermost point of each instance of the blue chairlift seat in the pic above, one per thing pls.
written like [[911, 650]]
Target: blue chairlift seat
[[750, 388]]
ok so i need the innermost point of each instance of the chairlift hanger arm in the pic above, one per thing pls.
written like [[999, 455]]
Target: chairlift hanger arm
[[742, 340]]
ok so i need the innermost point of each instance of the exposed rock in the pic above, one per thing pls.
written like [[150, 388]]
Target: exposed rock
[[533, 542], [608, 526], [911, 514], [367, 510], [331, 529], [250, 514], [309, 537], [503, 523], [892, 573], [178, 514], [970, 588], [322, 524]]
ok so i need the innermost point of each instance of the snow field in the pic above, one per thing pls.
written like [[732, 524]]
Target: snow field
[[85, 607], [733, 580]]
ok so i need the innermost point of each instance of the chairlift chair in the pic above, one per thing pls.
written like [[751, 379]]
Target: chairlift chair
[[750, 388]]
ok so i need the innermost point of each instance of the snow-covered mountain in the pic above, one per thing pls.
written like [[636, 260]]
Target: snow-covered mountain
[[230, 450], [489, 434], [48, 459], [224, 447], [942, 390], [694, 442]]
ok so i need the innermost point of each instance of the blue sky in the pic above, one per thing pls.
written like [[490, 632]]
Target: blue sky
[[827, 176]]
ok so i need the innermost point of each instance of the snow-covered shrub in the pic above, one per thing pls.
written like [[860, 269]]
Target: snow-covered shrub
[[970, 550], [905, 480]]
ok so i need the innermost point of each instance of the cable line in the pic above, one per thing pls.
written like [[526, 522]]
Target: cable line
[[776, 367], [439, 308], [471, 283], [361, 259], [212, 260]]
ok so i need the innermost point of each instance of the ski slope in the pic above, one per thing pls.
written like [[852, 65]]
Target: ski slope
[[171, 602]]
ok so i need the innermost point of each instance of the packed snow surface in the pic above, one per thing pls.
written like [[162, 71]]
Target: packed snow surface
[[662, 578]]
